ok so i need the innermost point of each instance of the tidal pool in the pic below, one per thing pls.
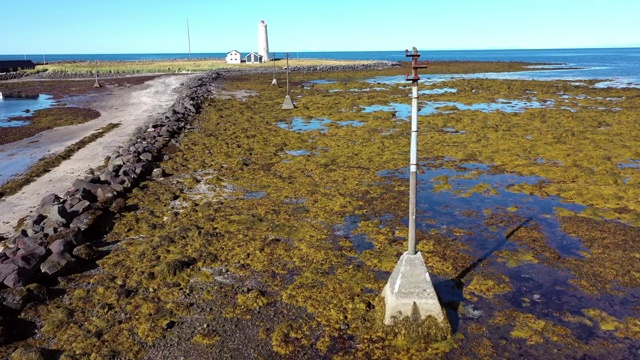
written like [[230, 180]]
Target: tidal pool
[[299, 124], [445, 194], [403, 111], [462, 201], [21, 106]]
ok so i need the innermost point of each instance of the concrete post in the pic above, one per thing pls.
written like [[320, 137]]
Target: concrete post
[[288, 104], [409, 291]]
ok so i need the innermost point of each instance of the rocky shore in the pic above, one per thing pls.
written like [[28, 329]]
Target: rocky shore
[[54, 239]]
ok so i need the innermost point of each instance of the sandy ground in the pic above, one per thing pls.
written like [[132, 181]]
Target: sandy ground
[[131, 106]]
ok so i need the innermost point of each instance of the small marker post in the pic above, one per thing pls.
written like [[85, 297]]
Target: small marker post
[[274, 81], [288, 104], [409, 291]]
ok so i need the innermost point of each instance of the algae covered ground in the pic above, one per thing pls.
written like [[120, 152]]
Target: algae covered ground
[[274, 231]]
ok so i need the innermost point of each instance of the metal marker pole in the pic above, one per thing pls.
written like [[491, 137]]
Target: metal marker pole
[[287, 74], [189, 38], [413, 161]]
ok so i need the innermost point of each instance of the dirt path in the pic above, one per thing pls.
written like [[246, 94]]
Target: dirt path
[[130, 106]]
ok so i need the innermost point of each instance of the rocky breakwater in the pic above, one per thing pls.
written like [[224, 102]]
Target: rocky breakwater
[[376, 65], [58, 236]]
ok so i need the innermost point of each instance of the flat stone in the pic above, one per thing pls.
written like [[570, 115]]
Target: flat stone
[[19, 278], [57, 263], [57, 213], [86, 252], [80, 207], [410, 292], [6, 270], [146, 156], [30, 244], [61, 245], [105, 193], [71, 235], [29, 260], [85, 220], [15, 299], [157, 173], [48, 201]]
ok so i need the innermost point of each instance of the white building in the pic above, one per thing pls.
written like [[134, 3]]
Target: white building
[[263, 41], [234, 57], [253, 58]]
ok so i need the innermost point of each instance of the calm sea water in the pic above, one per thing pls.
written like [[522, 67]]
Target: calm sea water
[[621, 65]]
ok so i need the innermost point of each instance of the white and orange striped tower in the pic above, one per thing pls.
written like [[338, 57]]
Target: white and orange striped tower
[[263, 41]]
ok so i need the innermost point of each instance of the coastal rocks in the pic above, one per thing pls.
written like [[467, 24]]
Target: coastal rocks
[[376, 65], [53, 240], [58, 263]]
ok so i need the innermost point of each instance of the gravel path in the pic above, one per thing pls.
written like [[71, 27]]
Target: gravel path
[[130, 106]]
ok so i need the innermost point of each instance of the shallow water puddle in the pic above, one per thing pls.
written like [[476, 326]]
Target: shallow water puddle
[[18, 106], [632, 164], [299, 124], [403, 111], [346, 229], [445, 195], [463, 202]]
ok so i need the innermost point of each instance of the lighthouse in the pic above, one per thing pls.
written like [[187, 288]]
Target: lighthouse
[[263, 41]]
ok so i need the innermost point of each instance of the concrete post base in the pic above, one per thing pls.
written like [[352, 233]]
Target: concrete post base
[[410, 293], [288, 104], [274, 82]]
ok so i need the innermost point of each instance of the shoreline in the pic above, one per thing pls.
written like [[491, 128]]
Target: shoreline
[[130, 106]]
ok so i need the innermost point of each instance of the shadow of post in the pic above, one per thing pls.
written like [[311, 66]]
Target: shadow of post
[[450, 291]]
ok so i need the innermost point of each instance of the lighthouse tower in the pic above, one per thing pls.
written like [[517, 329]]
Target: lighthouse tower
[[263, 41]]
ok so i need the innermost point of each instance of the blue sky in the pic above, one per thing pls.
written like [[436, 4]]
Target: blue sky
[[160, 26]]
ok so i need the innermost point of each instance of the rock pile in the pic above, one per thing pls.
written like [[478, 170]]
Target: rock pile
[[55, 238], [377, 65]]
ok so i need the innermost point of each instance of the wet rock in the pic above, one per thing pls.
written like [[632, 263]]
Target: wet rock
[[157, 173], [56, 213], [29, 260], [80, 207], [105, 193], [118, 205], [58, 263], [86, 252], [30, 244], [115, 164], [61, 245], [7, 269], [29, 353], [471, 312], [16, 237], [15, 299], [47, 202], [37, 293], [20, 277], [72, 235], [85, 220]]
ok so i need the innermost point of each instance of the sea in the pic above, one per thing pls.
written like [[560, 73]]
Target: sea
[[620, 67]]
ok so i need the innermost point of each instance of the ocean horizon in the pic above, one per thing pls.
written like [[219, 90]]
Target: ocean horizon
[[621, 65]]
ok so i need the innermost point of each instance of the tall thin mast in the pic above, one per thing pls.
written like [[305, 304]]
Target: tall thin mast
[[189, 38]]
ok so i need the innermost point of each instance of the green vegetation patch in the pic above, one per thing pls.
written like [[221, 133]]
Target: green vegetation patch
[[46, 119]]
